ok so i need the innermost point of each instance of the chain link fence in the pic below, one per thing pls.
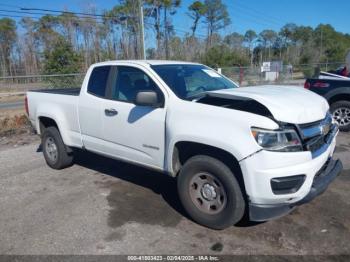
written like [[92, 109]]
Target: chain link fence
[[32, 82], [287, 75], [245, 76]]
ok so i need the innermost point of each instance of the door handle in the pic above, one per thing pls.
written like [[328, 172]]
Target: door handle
[[111, 112]]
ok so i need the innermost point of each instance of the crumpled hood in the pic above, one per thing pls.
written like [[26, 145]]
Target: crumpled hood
[[290, 104]]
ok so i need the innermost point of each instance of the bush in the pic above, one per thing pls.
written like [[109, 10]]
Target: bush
[[62, 59], [9, 125], [308, 72], [222, 56]]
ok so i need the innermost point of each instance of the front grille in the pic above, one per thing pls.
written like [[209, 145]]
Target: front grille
[[316, 136], [319, 128], [315, 143]]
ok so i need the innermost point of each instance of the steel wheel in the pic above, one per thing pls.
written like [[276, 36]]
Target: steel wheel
[[207, 193], [51, 149], [342, 116]]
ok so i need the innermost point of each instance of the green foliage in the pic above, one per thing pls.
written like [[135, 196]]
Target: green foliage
[[159, 11], [268, 37], [234, 40], [333, 45], [222, 56], [7, 40], [196, 11], [46, 30], [68, 43], [7, 30], [250, 36], [216, 16], [308, 72], [197, 7], [62, 59]]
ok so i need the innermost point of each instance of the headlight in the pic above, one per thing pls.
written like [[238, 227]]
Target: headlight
[[277, 140]]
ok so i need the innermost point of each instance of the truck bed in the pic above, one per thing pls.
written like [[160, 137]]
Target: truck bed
[[324, 86], [60, 105], [60, 91]]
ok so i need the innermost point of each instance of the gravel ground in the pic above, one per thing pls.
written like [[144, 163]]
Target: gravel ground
[[101, 206]]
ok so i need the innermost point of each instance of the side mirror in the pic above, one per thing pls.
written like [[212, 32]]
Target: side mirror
[[147, 98]]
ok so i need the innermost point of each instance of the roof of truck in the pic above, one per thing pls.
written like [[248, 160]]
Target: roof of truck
[[147, 62]]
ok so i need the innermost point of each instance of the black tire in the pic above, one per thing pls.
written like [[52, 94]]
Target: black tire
[[227, 215], [341, 106], [51, 141]]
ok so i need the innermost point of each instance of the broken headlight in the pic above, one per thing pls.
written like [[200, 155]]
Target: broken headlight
[[277, 140]]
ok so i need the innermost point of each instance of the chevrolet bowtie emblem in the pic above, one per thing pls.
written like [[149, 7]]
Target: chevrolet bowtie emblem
[[324, 129]]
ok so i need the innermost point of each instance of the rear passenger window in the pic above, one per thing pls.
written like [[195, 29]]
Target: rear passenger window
[[98, 81]]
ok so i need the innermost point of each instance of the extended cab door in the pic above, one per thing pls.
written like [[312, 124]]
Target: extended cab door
[[132, 132], [91, 108]]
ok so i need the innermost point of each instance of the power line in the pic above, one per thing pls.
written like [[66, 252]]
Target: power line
[[18, 16], [13, 6], [250, 14], [256, 13], [60, 11], [36, 13], [91, 15], [257, 18], [78, 18], [99, 15], [39, 17]]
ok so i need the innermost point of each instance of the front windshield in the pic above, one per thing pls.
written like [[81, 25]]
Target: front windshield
[[187, 81]]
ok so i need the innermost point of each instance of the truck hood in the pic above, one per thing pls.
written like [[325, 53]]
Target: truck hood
[[290, 104]]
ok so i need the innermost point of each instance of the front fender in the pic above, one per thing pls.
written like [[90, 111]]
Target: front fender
[[337, 91], [226, 129]]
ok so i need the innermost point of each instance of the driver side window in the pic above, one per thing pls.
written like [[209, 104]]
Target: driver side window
[[129, 82]]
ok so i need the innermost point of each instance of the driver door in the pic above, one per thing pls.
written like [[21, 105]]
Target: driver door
[[132, 132]]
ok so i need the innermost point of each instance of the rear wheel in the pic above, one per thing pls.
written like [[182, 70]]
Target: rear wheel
[[341, 114], [55, 151], [210, 193]]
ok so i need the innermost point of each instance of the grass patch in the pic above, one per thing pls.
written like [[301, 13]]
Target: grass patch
[[12, 125]]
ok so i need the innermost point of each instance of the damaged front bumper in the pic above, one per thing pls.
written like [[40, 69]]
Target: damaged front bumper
[[332, 168]]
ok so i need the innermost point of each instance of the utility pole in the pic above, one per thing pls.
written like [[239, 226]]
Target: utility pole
[[142, 31], [321, 50]]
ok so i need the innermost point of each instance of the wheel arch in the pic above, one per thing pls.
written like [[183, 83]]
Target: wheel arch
[[338, 94], [45, 122], [183, 150], [339, 97], [55, 115]]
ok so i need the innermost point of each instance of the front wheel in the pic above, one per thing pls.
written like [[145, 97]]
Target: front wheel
[[210, 193], [341, 114]]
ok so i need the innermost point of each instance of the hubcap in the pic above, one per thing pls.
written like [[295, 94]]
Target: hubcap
[[51, 149], [207, 193], [342, 116]]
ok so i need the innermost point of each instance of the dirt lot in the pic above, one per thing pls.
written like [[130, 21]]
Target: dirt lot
[[101, 206]]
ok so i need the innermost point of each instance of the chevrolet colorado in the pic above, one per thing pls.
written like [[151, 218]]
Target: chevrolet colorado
[[260, 151]]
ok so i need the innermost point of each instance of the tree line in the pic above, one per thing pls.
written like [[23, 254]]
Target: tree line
[[68, 42]]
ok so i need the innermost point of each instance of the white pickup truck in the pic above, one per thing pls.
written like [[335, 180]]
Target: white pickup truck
[[259, 151]]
